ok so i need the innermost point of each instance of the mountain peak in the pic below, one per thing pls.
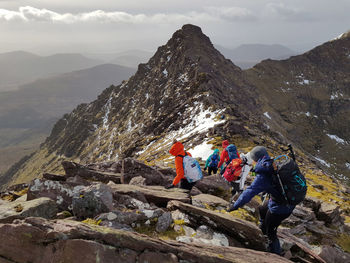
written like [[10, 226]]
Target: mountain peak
[[343, 36]]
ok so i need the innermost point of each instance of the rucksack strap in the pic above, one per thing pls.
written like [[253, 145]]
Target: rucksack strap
[[182, 156]]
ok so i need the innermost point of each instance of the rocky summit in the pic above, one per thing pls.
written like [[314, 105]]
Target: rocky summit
[[97, 183]]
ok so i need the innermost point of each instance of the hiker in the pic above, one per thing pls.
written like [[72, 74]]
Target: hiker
[[193, 170], [273, 212], [212, 162], [228, 154], [238, 185]]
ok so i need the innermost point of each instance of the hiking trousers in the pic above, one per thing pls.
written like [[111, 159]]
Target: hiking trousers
[[212, 169], [184, 184], [269, 222]]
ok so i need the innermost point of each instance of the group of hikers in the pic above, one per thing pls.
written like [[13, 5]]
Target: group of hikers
[[280, 182]]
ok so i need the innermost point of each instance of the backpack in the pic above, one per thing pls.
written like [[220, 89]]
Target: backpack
[[214, 160], [192, 169], [291, 182], [233, 170], [232, 152]]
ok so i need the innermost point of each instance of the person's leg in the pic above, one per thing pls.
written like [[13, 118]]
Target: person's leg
[[184, 184], [262, 213], [210, 170], [215, 170], [272, 221]]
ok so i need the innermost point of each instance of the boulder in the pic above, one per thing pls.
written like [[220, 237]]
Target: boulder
[[205, 200], [61, 192], [73, 169], [330, 214], [312, 202], [138, 180], [153, 194], [300, 251], [333, 254], [41, 241], [122, 220], [248, 234], [41, 207], [54, 177], [133, 168], [164, 222], [214, 185], [92, 201]]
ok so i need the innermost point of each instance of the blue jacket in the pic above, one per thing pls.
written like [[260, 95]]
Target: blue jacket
[[264, 183], [216, 152]]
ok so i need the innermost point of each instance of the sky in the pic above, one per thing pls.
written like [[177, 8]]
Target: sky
[[112, 26]]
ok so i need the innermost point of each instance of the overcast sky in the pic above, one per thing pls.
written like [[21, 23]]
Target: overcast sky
[[104, 26]]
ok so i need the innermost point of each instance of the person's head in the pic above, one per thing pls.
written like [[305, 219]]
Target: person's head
[[257, 153], [225, 143], [177, 148], [216, 151]]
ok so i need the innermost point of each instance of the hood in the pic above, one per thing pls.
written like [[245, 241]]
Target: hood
[[216, 151], [177, 149], [225, 143]]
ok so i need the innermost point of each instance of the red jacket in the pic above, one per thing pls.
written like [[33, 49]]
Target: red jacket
[[224, 154], [178, 149]]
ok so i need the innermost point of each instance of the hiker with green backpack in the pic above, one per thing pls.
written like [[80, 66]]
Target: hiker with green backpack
[[212, 162], [286, 187]]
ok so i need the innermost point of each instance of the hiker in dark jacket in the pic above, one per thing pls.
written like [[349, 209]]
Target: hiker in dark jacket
[[273, 212], [212, 162]]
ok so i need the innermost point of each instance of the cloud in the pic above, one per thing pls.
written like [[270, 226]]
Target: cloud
[[280, 10], [28, 13], [232, 13]]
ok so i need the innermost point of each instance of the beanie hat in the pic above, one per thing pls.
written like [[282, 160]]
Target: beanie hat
[[225, 143], [257, 153]]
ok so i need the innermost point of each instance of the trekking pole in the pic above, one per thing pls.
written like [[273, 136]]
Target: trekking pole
[[290, 149]]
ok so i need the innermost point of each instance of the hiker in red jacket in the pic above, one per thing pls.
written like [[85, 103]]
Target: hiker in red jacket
[[225, 155]]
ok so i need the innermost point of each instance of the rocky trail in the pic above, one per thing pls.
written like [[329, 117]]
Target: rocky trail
[[120, 212]]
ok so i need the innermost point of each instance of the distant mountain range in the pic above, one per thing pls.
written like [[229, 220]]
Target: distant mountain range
[[248, 55], [20, 67], [128, 58], [27, 114]]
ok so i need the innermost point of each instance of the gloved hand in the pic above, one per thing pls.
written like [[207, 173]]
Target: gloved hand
[[169, 186], [231, 207]]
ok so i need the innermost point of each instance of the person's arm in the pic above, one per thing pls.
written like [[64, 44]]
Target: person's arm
[[207, 162], [258, 186], [179, 170], [222, 158]]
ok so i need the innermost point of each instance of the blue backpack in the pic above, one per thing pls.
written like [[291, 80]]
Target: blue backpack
[[214, 160], [232, 152]]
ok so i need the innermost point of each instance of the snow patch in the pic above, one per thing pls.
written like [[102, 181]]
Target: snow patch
[[165, 72], [107, 108], [323, 162], [347, 165], [337, 139], [336, 95], [202, 151], [267, 115]]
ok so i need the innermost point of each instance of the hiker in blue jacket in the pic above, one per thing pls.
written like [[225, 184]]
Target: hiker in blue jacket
[[212, 162], [273, 212]]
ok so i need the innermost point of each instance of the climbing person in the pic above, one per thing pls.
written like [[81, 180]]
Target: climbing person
[[228, 153], [238, 184], [274, 211], [212, 162], [188, 171]]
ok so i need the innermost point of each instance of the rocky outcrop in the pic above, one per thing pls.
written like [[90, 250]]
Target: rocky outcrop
[[154, 194], [41, 207], [73, 169], [132, 168], [64, 241], [247, 233]]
